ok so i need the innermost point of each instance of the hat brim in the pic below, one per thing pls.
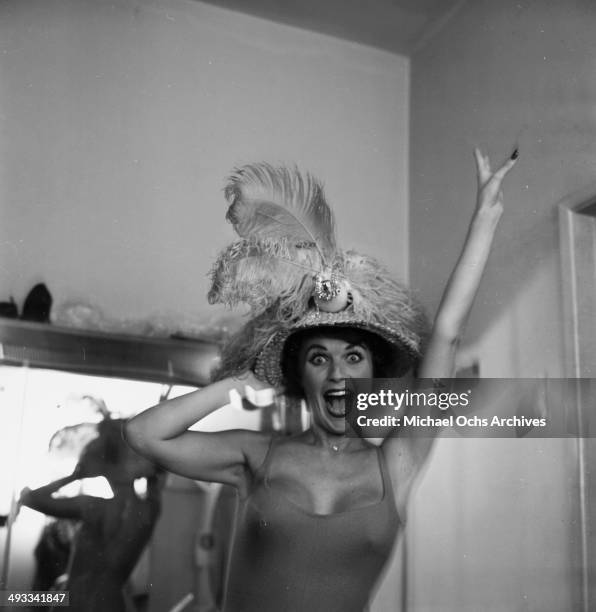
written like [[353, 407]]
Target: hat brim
[[268, 365]]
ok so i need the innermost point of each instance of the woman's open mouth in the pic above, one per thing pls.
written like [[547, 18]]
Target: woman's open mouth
[[335, 402]]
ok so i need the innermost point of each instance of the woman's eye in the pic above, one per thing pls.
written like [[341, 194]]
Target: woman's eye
[[354, 358], [317, 359]]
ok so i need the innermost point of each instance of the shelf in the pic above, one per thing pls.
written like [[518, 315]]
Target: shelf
[[166, 360]]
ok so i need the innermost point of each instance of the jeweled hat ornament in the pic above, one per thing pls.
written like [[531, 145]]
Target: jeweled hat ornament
[[288, 268]]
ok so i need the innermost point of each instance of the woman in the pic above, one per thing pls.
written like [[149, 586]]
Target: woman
[[319, 511], [113, 532]]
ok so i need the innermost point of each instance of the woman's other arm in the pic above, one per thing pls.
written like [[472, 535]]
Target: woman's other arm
[[462, 286], [408, 449], [162, 434]]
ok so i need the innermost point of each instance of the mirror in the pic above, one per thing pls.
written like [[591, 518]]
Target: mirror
[[56, 386]]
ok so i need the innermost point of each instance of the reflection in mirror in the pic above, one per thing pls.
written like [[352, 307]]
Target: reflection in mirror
[[50, 423]]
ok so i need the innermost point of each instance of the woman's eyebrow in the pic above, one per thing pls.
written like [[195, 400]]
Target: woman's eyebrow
[[318, 347], [355, 345]]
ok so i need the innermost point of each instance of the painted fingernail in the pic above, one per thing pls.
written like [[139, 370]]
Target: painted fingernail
[[515, 153]]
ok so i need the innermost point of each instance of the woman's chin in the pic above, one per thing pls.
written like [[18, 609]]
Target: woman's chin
[[335, 425], [330, 416]]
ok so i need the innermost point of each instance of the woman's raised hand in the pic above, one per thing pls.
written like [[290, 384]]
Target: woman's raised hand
[[489, 201]]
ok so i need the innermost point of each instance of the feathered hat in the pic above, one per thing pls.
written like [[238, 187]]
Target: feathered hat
[[288, 268]]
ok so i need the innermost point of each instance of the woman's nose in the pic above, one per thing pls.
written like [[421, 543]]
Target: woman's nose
[[336, 371]]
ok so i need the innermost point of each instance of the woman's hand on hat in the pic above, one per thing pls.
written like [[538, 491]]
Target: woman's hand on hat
[[489, 200], [252, 392]]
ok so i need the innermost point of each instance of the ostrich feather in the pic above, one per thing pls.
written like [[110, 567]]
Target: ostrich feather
[[275, 203], [378, 298], [263, 272]]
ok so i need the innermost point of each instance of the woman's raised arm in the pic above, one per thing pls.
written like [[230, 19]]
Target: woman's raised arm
[[453, 311], [407, 449], [161, 434]]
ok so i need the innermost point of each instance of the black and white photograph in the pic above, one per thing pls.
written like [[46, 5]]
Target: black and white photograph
[[298, 305]]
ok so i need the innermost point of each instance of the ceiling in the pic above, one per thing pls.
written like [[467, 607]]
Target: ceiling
[[399, 26]]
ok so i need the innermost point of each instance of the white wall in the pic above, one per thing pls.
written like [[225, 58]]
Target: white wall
[[120, 121], [496, 522], [501, 73]]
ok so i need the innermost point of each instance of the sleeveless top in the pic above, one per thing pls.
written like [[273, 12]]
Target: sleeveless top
[[287, 559]]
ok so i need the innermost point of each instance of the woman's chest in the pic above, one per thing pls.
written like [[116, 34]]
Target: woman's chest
[[326, 488], [320, 516]]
